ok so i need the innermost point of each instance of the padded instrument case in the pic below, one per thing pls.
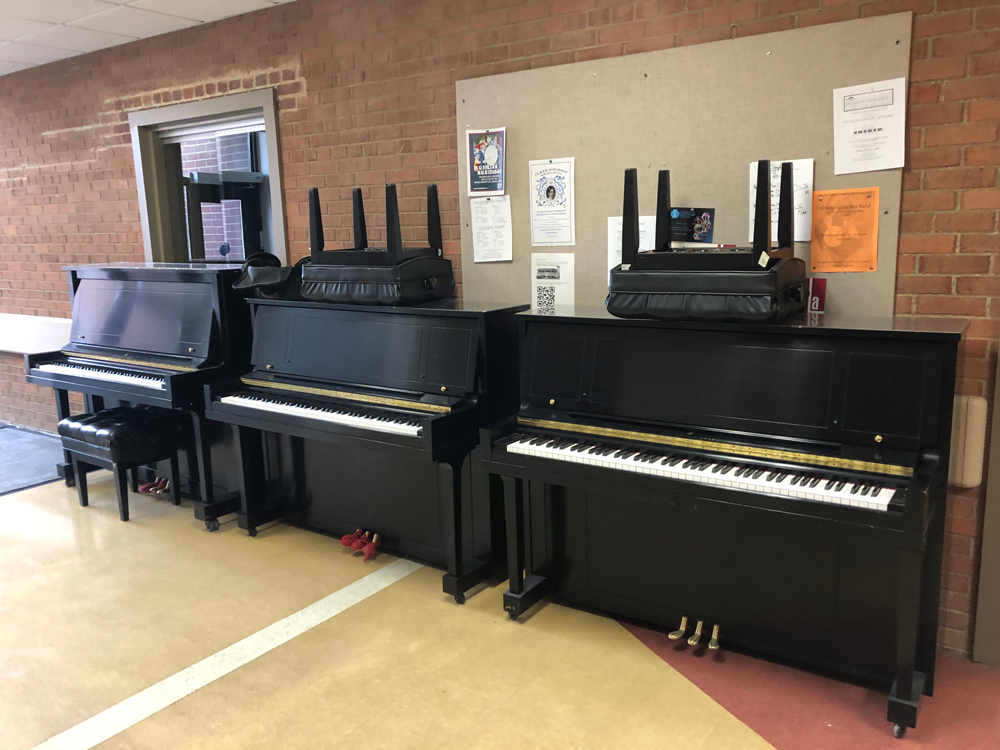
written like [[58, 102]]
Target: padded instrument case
[[749, 296], [376, 276], [753, 285]]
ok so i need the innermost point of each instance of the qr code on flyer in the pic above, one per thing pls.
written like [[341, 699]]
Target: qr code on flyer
[[545, 296]]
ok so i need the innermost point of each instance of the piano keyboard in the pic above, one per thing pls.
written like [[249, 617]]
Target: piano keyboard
[[368, 419], [105, 373], [805, 485]]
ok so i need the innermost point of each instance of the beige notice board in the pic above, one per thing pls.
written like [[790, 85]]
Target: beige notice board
[[703, 112]]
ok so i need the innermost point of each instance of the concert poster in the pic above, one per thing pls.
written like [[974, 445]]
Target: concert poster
[[845, 231], [487, 161]]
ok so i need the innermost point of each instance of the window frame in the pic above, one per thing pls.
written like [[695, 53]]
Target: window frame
[[161, 201]]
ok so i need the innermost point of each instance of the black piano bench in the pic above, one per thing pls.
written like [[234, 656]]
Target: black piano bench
[[123, 439]]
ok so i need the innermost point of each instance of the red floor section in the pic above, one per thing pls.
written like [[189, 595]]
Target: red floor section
[[796, 710]]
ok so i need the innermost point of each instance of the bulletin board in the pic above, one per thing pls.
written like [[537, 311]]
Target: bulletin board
[[704, 112]]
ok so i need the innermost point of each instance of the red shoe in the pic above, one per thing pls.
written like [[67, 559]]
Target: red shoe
[[151, 487], [164, 489], [369, 549], [360, 543], [348, 539]]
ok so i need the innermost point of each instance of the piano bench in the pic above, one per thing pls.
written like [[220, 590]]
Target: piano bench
[[123, 439]]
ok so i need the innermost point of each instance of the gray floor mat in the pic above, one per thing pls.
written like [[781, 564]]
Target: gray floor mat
[[27, 458]]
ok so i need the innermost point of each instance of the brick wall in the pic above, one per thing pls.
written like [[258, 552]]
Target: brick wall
[[366, 96]]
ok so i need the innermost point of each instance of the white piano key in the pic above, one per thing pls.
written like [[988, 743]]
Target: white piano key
[[660, 467], [105, 373], [320, 415]]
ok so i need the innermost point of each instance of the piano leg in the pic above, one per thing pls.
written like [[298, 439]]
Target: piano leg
[[461, 575], [208, 509], [524, 590], [255, 510], [927, 639], [64, 469], [904, 697]]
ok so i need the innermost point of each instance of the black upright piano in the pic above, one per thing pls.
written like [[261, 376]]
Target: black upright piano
[[365, 417], [779, 487], [153, 333]]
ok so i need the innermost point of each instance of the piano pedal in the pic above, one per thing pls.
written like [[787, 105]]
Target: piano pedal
[[713, 645], [359, 544], [348, 539], [696, 636], [369, 549], [679, 633]]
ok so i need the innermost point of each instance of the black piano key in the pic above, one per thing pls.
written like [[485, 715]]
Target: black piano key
[[855, 488], [676, 460], [866, 489], [830, 485], [771, 476], [815, 481], [839, 486]]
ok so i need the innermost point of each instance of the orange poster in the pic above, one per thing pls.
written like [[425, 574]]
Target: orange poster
[[844, 230]]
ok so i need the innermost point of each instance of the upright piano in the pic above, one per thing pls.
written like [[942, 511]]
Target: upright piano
[[152, 333], [366, 417], [782, 486]]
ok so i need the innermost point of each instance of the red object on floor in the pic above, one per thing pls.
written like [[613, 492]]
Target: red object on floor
[[796, 710], [360, 542], [369, 549], [349, 539]]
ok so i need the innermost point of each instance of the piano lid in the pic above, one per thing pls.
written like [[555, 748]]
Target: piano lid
[[432, 348]]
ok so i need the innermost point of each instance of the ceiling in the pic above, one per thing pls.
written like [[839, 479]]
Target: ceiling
[[35, 32]]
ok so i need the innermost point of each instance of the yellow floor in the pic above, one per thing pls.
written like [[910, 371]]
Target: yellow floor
[[93, 610]]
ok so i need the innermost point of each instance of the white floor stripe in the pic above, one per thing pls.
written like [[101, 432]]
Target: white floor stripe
[[142, 705]]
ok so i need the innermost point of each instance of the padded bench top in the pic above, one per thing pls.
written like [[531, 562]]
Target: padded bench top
[[129, 433]]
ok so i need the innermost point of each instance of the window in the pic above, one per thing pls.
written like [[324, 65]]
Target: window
[[206, 188]]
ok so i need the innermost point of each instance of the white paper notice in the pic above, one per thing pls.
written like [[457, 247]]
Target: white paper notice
[[491, 230], [550, 191], [802, 197], [647, 237], [552, 281], [869, 127]]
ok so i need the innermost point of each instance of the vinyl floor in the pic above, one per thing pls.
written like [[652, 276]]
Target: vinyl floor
[[27, 458], [93, 611]]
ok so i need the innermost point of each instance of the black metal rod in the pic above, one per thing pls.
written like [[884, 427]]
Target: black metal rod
[[434, 238], [393, 236], [785, 206], [316, 241], [664, 222], [630, 218], [360, 228], [762, 214]]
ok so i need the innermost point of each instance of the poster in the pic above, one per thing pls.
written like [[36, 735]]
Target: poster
[[487, 159], [869, 127], [552, 283], [802, 188], [550, 191], [845, 231], [647, 237], [491, 230], [692, 225]]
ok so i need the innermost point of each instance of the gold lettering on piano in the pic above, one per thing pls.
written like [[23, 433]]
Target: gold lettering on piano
[[708, 445], [363, 397], [125, 361]]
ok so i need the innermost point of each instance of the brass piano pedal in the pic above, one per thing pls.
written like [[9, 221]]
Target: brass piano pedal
[[696, 636], [713, 645], [679, 633]]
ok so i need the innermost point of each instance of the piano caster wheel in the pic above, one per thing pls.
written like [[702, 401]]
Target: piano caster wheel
[[696, 636], [898, 731], [212, 524], [512, 614], [459, 598], [251, 531], [679, 633]]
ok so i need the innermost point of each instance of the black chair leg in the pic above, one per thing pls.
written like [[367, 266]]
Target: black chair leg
[[80, 472], [133, 475], [175, 479], [121, 488]]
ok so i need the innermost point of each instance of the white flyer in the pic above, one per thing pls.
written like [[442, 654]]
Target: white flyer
[[552, 283], [647, 237], [550, 191], [802, 197], [491, 230], [869, 127]]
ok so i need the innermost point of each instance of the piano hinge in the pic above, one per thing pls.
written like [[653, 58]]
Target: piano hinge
[[711, 446], [125, 361], [363, 397]]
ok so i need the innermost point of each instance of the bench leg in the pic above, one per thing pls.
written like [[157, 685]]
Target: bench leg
[[80, 474], [133, 475], [175, 479], [121, 488]]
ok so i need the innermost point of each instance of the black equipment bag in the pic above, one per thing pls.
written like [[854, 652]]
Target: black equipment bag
[[265, 277], [375, 276], [742, 296]]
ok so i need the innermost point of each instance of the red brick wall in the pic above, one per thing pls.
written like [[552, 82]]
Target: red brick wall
[[366, 95]]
